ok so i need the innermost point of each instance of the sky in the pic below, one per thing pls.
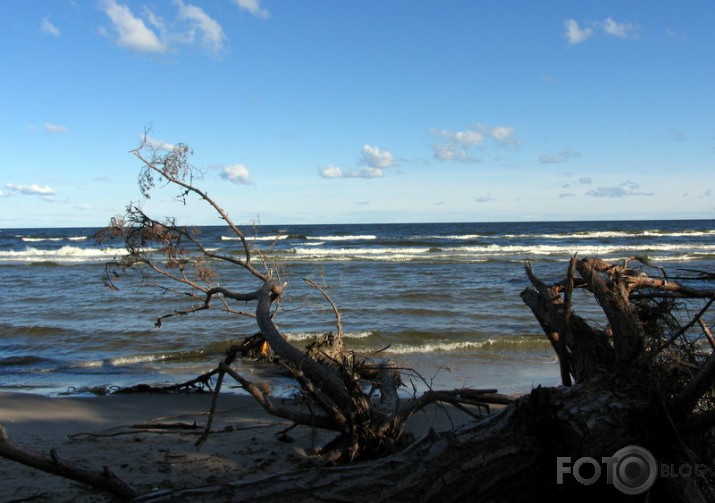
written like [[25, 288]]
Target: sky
[[337, 111]]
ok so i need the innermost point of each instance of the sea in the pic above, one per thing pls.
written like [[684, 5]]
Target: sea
[[441, 300]]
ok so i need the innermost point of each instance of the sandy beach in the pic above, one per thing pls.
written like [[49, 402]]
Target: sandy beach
[[131, 435]]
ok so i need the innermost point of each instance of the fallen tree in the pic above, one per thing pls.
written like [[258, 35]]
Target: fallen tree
[[369, 423], [641, 373]]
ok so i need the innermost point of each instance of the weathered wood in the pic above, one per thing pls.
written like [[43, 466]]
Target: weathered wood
[[508, 456], [105, 480]]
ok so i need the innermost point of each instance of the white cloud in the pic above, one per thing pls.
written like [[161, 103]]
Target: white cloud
[[502, 133], [575, 34], [335, 172], [563, 156], [155, 144], [331, 172], [254, 7], [485, 199], [625, 189], [201, 26], [131, 31], [467, 138], [373, 157], [49, 28], [622, 30], [31, 190], [54, 128], [238, 174], [450, 152], [459, 143]]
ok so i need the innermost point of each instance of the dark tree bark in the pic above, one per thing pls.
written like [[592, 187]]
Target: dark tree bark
[[105, 480]]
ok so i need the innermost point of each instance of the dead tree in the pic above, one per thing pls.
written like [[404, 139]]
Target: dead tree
[[333, 380]]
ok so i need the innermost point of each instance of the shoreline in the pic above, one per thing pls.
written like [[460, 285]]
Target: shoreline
[[131, 435]]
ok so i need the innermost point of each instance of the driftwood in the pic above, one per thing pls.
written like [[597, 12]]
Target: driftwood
[[332, 379], [105, 480]]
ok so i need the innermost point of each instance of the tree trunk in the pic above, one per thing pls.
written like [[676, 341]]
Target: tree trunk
[[508, 456]]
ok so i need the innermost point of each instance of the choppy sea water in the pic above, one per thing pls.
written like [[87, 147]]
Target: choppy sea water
[[441, 299]]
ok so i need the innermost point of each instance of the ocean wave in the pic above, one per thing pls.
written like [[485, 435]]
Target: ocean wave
[[498, 344], [614, 234], [125, 361], [65, 254], [485, 252], [29, 239], [403, 349], [574, 235], [307, 336], [277, 237], [39, 240], [359, 237]]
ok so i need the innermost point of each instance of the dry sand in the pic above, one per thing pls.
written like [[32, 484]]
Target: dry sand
[[117, 431]]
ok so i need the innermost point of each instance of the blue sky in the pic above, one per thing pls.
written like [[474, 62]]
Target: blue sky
[[335, 111]]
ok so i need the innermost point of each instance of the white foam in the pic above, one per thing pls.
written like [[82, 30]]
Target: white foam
[[63, 254], [362, 237], [403, 349]]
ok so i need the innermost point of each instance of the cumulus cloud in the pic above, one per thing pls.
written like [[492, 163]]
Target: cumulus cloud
[[622, 30], [54, 128], [254, 7], [574, 33], [459, 143], [563, 156], [202, 27], [47, 27], [625, 189], [149, 32], [237, 173], [31, 190], [338, 172], [376, 158], [502, 134], [131, 31]]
